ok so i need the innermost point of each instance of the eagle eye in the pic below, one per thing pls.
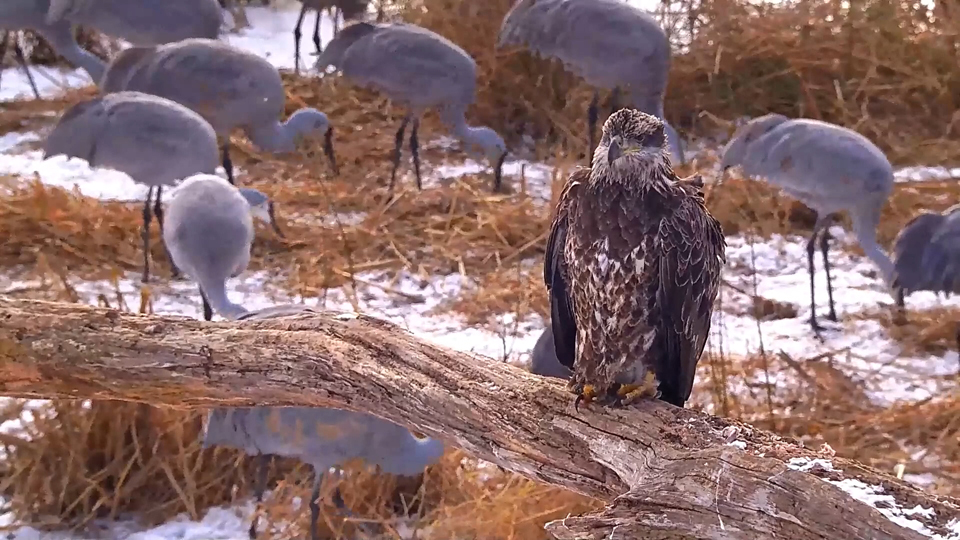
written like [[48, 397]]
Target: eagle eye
[[653, 140]]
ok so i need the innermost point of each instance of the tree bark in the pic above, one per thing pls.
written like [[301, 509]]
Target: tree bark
[[666, 472]]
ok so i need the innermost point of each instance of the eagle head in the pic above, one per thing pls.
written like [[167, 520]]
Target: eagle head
[[632, 142]]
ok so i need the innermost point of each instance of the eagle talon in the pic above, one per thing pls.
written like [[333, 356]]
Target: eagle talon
[[585, 394], [628, 393]]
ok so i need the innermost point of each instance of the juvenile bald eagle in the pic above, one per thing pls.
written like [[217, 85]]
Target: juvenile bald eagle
[[633, 267]]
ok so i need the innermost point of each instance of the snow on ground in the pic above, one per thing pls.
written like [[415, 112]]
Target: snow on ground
[[780, 266], [885, 503]]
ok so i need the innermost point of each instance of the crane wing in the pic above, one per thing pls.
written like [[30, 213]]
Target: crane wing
[[941, 258], [692, 255], [555, 274]]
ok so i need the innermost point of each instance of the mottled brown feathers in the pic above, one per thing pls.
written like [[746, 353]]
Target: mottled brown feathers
[[633, 268], [632, 123]]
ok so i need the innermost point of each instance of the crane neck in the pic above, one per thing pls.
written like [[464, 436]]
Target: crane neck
[[216, 293], [273, 137]]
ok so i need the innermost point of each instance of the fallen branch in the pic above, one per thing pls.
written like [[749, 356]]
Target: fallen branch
[[666, 472]]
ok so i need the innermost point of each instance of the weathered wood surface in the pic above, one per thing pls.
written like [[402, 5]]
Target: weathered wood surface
[[666, 472]]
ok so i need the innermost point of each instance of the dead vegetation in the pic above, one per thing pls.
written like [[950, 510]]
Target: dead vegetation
[[886, 69]]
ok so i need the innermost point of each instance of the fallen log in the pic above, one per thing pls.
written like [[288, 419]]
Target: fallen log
[[665, 472]]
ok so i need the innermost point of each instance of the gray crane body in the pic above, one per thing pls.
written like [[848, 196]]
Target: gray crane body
[[142, 22], [421, 69], [31, 15], [320, 436], [155, 141], [927, 256], [543, 359], [609, 43], [827, 167], [229, 87], [927, 253], [209, 231]]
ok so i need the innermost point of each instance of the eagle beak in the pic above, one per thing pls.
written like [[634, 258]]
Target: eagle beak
[[613, 151]]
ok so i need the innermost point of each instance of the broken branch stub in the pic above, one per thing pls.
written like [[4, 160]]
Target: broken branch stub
[[666, 472]]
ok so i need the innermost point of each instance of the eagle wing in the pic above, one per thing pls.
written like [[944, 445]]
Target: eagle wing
[[555, 274], [691, 259]]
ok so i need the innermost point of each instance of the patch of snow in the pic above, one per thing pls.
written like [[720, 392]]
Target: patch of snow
[[926, 174], [860, 346], [51, 82], [875, 497], [532, 177], [270, 35], [807, 465]]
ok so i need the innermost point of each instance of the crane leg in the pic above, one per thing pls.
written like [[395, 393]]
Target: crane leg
[[260, 485], [227, 164], [316, 32], [22, 60], [342, 508], [296, 39], [3, 48], [592, 113], [824, 249], [145, 236], [958, 340], [615, 100], [900, 312], [811, 249], [207, 310], [158, 210], [415, 150], [315, 504], [398, 142]]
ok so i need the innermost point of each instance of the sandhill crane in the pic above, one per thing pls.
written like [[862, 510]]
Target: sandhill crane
[[155, 141], [21, 59], [322, 437], [927, 256], [350, 9], [826, 167], [226, 85], [208, 232], [421, 69], [31, 15], [543, 359], [142, 22], [609, 43]]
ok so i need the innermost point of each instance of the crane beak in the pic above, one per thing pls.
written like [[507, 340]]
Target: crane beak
[[498, 173], [328, 150], [614, 151], [273, 220]]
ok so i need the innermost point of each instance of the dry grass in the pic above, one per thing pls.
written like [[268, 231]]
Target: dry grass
[[884, 70]]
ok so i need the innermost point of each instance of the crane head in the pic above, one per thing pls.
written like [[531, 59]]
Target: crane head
[[261, 208]]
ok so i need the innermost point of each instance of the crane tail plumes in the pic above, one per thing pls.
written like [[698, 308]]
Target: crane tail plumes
[[927, 257], [332, 55], [120, 70], [514, 27], [75, 132]]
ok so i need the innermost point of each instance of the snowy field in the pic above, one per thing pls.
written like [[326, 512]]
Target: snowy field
[[780, 275]]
